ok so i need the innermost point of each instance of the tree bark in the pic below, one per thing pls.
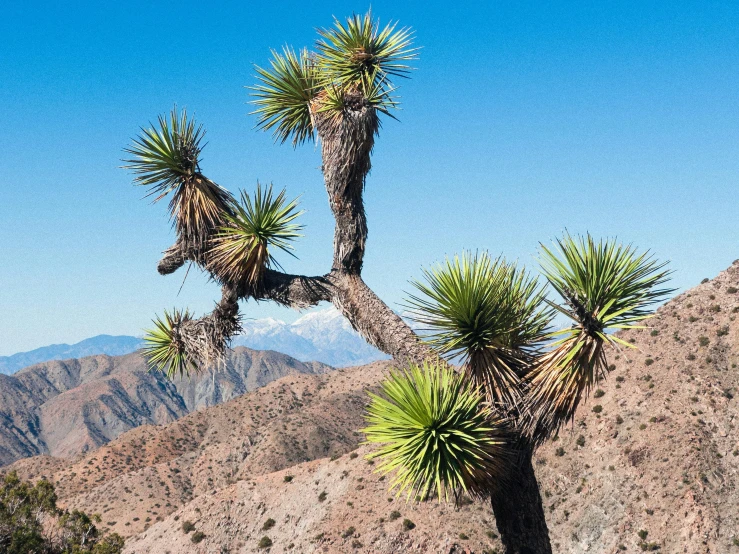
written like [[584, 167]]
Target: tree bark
[[519, 513]]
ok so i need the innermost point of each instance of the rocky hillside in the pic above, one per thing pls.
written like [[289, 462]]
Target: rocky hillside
[[68, 407], [651, 463]]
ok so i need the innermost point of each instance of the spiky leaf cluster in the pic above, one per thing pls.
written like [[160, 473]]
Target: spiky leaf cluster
[[284, 95], [166, 159], [164, 347], [240, 252], [487, 312], [605, 286], [436, 433], [355, 59]]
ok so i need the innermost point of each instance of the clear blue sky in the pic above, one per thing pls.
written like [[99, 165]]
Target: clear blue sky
[[523, 119]]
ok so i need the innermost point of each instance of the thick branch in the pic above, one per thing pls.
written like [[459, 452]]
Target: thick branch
[[347, 139]]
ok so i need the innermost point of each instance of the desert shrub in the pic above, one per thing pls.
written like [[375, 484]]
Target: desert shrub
[[264, 542], [597, 408], [356, 544], [287, 478], [704, 281], [703, 341], [619, 419], [463, 537], [353, 455], [197, 537], [268, 524], [322, 496], [599, 393], [654, 332], [691, 357], [580, 441], [408, 525], [648, 361], [692, 319], [643, 534], [188, 526], [559, 452], [395, 514]]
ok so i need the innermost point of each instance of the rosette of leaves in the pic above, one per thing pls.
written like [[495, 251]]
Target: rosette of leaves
[[166, 158], [242, 248], [436, 433], [605, 286], [354, 65], [487, 313], [165, 347]]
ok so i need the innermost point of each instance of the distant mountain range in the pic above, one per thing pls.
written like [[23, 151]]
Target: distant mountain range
[[324, 336], [101, 344]]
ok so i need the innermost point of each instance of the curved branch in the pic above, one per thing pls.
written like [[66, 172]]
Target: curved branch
[[294, 291]]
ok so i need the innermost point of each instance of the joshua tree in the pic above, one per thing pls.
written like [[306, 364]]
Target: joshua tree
[[443, 428]]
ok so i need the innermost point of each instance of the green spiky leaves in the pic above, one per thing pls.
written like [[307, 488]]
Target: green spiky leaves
[[436, 433], [352, 69], [359, 50], [240, 252], [284, 94], [488, 312], [164, 347], [606, 286], [166, 158]]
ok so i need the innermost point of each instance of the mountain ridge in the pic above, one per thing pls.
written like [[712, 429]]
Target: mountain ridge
[[321, 335]]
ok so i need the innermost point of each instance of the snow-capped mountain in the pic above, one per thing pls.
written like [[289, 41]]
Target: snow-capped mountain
[[324, 336]]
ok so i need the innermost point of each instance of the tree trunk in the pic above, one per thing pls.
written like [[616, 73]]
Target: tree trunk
[[519, 512]]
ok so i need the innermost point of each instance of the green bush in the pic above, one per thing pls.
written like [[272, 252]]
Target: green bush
[[29, 517], [188, 526], [597, 408], [408, 524], [268, 524], [264, 542], [197, 537]]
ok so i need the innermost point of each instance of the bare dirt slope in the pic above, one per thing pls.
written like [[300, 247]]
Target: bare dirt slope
[[650, 463], [68, 407]]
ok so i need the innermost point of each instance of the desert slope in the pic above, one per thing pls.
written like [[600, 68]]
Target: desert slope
[[68, 407], [656, 452]]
